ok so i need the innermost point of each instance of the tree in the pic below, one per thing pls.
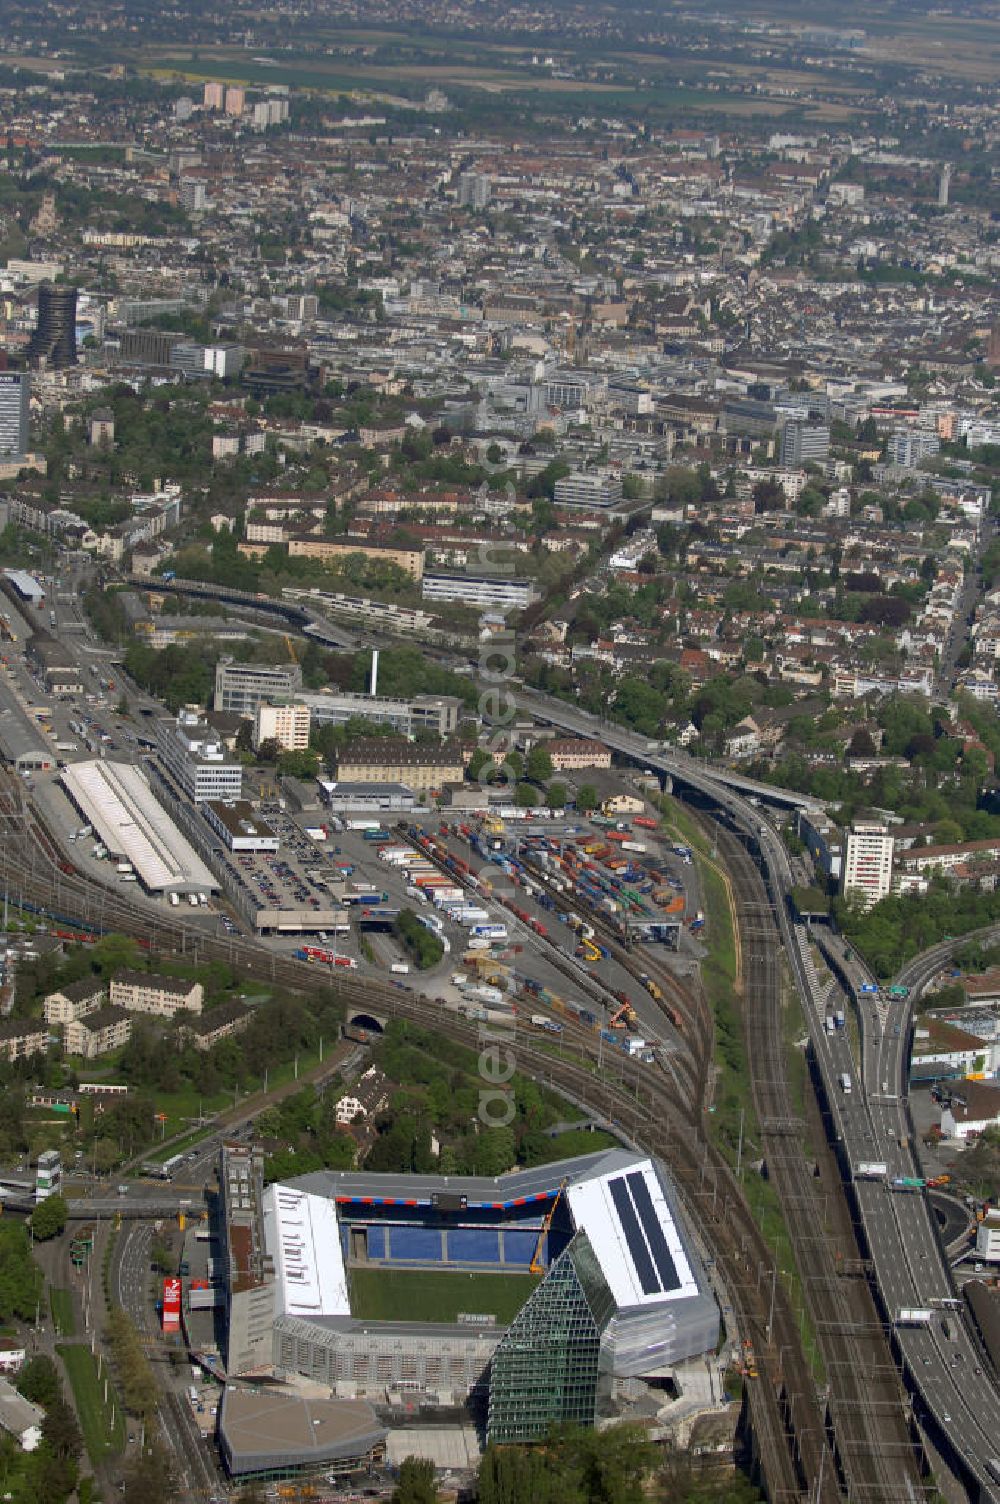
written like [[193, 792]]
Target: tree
[[586, 797], [416, 1483], [555, 796], [61, 1431], [862, 744], [479, 761], [38, 1381], [525, 797], [149, 1480], [160, 1256], [49, 1218], [303, 764], [538, 766]]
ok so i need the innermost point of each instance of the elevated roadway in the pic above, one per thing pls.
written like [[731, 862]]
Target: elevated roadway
[[705, 777], [945, 1367]]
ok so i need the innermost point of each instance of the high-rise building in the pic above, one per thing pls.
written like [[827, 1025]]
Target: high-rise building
[[288, 725], [868, 861], [804, 443], [54, 339], [474, 189], [236, 100], [909, 446], [213, 97], [944, 185], [193, 195], [15, 397]]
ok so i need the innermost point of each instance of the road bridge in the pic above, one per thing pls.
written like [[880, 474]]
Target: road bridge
[[706, 777]]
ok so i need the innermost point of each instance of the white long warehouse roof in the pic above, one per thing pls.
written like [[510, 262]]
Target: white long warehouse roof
[[131, 822]]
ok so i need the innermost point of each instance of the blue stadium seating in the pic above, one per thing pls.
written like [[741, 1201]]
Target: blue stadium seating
[[519, 1246], [415, 1245], [376, 1242], [473, 1245]]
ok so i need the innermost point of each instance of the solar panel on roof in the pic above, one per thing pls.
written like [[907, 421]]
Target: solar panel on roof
[[633, 1236], [665, 1265]]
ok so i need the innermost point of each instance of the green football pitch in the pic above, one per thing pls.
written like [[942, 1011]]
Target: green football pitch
[[426, 1295]]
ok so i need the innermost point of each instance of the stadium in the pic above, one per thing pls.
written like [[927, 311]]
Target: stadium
[[538, 1297]]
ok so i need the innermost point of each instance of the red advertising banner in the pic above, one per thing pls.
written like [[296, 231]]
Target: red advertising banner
[[171, 1304]]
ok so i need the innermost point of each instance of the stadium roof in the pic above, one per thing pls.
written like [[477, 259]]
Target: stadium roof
[[273, 1429], [119, 803], [497, 1191], [617, 1197], [302, 1236], [632, 1231]]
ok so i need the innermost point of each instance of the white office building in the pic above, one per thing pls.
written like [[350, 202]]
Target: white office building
[[197, 761], [438, 714], [240, 687], [584, 488], [868, 861], [484, 592]]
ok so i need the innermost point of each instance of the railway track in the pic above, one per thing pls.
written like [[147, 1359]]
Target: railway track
[[785, 1413], [869, 1433]]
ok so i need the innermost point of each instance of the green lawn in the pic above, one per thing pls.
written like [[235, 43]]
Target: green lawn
[[63, 1320], [425, 1295], [102, 1424]]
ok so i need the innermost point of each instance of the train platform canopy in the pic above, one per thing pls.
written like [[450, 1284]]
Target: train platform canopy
[[26, 585], [116, 799]]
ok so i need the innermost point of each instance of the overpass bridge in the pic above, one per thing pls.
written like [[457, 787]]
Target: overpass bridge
[[673, 764], [302, 617]]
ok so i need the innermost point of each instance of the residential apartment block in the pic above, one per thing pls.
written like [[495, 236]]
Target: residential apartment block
[[571, 754], [74, 1001], [142, 992], [287, 724], [219, 1023], [98, 1033], [21, 1037], [410, 560], [868, 861]]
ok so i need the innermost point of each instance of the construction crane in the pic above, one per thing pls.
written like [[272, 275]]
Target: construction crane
[[291, 649], [536, 1266]]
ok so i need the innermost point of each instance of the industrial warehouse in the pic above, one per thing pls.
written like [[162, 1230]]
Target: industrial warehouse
[[599, 1289], [117, 802]]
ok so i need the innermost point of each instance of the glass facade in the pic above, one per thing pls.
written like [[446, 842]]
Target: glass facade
[[545, 1370]]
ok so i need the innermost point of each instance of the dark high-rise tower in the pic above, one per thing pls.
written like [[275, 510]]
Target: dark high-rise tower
[[54, 339]]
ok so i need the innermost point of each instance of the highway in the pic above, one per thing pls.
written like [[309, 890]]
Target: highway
[[944, 1365]]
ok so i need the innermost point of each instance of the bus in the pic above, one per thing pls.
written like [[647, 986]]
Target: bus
[[164, 1171]]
